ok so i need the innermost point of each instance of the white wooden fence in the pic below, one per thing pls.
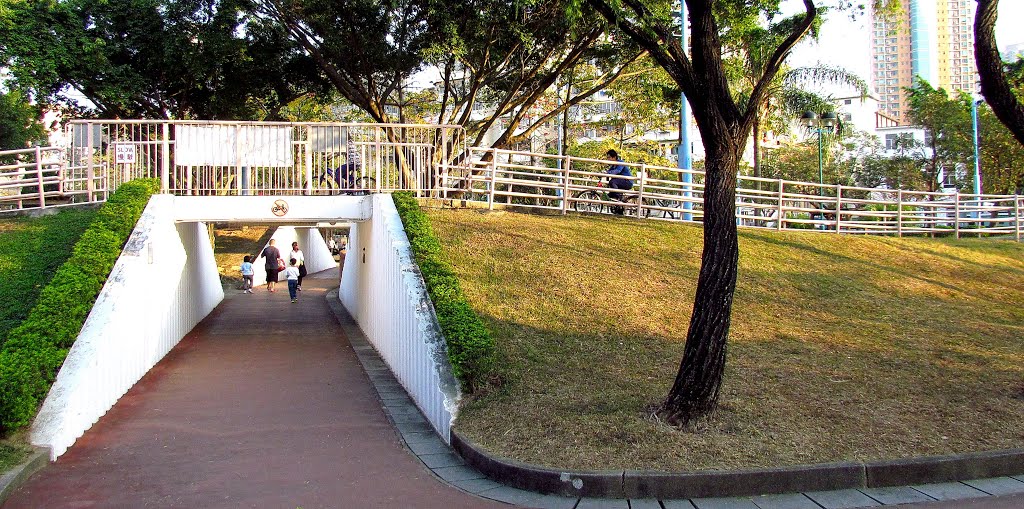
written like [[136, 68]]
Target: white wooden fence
[[250, 158]]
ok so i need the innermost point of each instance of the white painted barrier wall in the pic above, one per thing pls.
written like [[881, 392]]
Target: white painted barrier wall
[[314, 248], [384, 292], [140, 314]]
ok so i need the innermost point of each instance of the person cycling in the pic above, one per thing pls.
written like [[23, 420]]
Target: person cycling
[[346, 174], [624, 184]]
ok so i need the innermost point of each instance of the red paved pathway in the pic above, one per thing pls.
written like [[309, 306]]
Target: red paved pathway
[[263, 405]]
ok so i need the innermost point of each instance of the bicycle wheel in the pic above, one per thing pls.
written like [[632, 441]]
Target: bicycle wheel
[[655, 208], [364, 185], [327, 185], [629, 205], [588, 201]]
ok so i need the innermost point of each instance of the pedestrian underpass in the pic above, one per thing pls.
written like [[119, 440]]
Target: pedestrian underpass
[[166, 281]]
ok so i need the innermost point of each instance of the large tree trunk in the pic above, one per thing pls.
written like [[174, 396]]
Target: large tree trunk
[[994, 86], [694, 393]]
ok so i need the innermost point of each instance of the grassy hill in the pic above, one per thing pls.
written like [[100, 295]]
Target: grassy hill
[[31, 250], [841, 347]]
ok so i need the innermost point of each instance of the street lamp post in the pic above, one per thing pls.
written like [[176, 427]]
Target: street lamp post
[[827, 121], [977, 158]]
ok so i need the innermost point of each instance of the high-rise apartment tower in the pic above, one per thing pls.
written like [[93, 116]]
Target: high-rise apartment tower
[[933, 39]]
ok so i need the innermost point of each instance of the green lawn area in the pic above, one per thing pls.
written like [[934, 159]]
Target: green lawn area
[[31, 250], [841, 347]]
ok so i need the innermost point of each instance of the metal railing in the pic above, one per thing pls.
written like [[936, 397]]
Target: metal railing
[[280, 158], [32, 178], [563, 184]]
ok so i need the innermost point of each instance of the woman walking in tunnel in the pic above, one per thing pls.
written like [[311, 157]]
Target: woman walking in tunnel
[[274, 263]]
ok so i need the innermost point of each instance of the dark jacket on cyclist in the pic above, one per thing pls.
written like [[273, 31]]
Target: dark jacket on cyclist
[[618, 169]]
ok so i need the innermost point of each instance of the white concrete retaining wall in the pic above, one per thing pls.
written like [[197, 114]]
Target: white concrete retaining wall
[[384, 292], [311, 242], [140, 314]]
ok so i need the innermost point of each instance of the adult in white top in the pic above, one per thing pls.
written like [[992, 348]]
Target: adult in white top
[[300, 261]]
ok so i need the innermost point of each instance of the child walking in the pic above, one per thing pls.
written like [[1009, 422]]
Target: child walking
[[247, 274], [292, 273]]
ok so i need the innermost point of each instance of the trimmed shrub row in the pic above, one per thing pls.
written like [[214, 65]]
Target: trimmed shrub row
[[470, 345], [35, 350], [31, 251]]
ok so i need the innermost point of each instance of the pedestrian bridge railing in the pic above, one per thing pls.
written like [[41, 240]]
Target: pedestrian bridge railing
[[281, 158]]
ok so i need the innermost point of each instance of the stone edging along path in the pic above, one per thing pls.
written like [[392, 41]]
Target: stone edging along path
[[665, 485]]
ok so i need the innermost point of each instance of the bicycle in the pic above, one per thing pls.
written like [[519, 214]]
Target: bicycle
[[331, 179], [598, 202]]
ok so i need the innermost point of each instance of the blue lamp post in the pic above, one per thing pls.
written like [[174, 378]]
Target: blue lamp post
[[977, 158], [827, 121], [685, 157]]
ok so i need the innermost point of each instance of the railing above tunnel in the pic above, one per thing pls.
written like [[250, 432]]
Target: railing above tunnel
[[257, 158]]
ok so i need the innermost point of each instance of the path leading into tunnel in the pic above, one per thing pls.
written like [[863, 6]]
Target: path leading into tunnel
[[263, 404]]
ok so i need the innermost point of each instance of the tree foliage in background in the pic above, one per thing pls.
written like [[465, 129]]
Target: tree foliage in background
[[948, 123], [367, 49], [205, 59], [647, 100], [505, 57], [19, 121]]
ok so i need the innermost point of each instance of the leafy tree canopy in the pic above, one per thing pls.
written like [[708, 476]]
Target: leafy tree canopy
[[154, 58], [19, 121]]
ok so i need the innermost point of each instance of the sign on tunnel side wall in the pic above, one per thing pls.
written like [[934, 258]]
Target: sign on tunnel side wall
[[272, 209]]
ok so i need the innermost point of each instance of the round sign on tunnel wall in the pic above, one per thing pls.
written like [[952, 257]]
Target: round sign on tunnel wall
[[280, 208]]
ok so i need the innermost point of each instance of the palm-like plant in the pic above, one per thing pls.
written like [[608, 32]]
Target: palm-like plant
[[788, 95]]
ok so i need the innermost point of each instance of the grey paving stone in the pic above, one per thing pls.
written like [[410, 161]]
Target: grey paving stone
[[677, 504], [724, 503], [785, 501], [510, 495], [896, 495], [420, 437], [435, 446], [603, 503], [476, 485], [646, 503], [842, 499], [553, 502], [949, 491], [408, 418], [441, 460], [387, 395], [458, 473], [398, 407], [413, 427], [998, 485]]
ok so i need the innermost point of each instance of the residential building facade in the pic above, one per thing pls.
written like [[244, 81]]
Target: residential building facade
[[934, 39]]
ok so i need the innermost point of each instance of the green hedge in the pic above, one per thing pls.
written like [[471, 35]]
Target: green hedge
[[470, 345], [31, 251], [35, 350]]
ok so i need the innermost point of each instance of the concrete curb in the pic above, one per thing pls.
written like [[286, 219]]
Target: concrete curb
[[735, 483], [933, 469], [15, 477]]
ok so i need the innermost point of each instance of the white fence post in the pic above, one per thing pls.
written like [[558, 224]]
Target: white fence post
[[778, 221], [565, 184], [39, 177], [308, 161], [165, 160], [839, 208], [490, 182], [956, 214], [90, 171], [1016, 216], [899, 212]]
